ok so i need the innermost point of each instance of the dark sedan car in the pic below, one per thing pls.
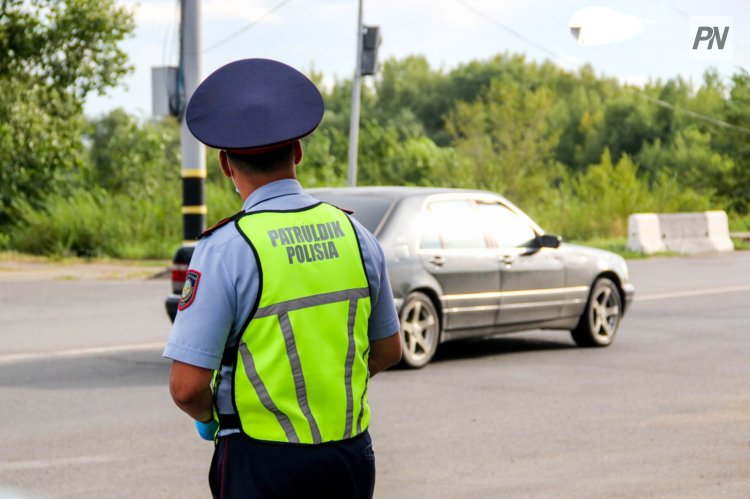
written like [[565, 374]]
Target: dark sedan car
[[465, 264]]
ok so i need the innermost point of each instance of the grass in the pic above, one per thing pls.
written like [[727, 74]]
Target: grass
[[741, 244], [96, 226], [619, 246]]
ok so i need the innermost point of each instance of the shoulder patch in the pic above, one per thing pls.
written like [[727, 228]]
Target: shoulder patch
[[218, 225], [189, 289]]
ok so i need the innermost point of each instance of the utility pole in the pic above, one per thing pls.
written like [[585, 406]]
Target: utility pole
[[356, 90], [193, 153]]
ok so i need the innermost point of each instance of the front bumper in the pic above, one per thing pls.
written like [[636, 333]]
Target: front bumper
[[629, 291]]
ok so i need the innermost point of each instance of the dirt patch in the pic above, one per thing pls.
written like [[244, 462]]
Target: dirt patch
[[31, 269]]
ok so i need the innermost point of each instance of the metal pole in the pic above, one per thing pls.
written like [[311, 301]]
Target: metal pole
[[356, 90], [193, 153]]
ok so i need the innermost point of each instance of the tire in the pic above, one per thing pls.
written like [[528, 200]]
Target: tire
[[420, 330], [601, 318]]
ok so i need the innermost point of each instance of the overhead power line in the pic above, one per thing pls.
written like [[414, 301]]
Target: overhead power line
[[511, 30], [699, 116], [169, 35], [248, 26], [659, 102]]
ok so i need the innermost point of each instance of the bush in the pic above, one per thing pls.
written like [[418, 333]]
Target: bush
[[222, 201], [95, 223], [595, 204]]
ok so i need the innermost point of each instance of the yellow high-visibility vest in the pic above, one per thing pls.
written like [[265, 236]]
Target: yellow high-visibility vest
[[301, 368]]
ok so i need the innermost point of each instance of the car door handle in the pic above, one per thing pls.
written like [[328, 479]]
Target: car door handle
[[438, 260], [507, 259]]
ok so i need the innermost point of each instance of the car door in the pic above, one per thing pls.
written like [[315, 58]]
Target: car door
[[532, 278], [456, 251]]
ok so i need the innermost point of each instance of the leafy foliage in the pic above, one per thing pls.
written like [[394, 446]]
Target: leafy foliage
[[503, 142], [52, 55], [132, 158], [72, 46], [40, 142], [93, 222], [578, 151]]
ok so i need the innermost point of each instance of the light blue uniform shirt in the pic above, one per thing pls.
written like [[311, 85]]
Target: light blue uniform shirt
[[228, 284]]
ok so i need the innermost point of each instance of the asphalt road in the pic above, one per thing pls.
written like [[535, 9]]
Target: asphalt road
[[663, 412]]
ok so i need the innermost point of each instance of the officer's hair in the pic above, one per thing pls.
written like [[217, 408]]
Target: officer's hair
[[265, 162]]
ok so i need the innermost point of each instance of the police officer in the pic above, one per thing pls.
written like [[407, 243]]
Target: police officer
[[287, 309]]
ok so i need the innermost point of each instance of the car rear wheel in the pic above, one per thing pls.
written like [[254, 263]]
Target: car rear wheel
[[420, 330], [601, 318]]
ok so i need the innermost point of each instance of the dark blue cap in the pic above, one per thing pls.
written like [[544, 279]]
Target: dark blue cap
[[254, 105]]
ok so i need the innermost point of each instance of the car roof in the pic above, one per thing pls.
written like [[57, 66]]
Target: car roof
[[397, 192]]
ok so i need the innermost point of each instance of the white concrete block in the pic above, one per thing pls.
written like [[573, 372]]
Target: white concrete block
[[644, 233], [685, 232], [718, 230], [704, 232]]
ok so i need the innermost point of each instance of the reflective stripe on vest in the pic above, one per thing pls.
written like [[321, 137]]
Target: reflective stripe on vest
[[301, 373]]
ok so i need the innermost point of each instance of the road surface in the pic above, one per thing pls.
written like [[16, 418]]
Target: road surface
[[663, 412]]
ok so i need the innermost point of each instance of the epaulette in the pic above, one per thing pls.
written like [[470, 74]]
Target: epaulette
[[219, 225], [345, 210]]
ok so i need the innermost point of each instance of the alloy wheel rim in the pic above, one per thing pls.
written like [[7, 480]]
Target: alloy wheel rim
[[605, 312], [419, 329]]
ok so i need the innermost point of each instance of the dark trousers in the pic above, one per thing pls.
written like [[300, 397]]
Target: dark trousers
[[246, 468]]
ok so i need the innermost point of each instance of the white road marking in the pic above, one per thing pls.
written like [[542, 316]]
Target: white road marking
[[681, 294], [39, 464], [79, 352], [139, 347]]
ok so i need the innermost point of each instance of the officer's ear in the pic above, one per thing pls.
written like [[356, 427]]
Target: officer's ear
[[297, 152], [224, 162]]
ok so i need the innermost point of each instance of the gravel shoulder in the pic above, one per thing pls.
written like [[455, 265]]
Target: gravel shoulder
[[14, 268]]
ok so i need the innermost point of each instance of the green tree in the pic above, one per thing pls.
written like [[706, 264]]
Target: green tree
[[132, 158], [690, 158], [735, 143], [40, 138], [52, 55], [390, 158], [410, 95], [503, 142]]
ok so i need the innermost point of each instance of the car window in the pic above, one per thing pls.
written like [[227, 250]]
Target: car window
[[506, 228], [456, 225], [369, 210], [430, 237]]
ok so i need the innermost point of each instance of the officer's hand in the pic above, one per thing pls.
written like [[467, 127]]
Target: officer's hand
[[207, 431]]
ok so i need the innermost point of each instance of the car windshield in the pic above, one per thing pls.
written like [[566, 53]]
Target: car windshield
[[369, 210]]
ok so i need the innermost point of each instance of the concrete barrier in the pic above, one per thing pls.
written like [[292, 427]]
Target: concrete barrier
[[644, 234], [704, 232]]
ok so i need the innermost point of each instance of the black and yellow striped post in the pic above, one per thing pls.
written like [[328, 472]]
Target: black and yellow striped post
[[194, 208], [193, 152]]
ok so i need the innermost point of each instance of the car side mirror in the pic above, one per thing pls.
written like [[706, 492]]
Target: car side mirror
[[549, 241]]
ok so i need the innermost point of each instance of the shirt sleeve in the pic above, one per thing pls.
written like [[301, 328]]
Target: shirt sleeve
[[383, 320], [200, 330]]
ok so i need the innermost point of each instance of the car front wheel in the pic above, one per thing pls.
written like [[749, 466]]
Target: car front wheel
[[598, 324], [420, 330]]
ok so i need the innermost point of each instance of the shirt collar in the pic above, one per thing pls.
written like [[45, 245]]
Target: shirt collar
[[284, 187]]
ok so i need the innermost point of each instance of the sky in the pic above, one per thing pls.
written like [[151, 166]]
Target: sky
[[321, 34]]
